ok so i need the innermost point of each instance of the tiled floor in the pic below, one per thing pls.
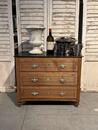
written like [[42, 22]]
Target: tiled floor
[[49, 116]]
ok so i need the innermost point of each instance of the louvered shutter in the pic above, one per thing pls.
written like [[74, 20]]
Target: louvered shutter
[[30, 13], [64, 18], [6, 36], [61, 15], [91, 43]]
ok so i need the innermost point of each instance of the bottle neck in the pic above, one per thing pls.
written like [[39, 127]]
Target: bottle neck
[[50, 32]]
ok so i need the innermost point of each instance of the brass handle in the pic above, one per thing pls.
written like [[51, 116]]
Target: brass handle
[[35, 93], [34, 80], [35, 66], [61, 93], [62, 66], [62, 80]]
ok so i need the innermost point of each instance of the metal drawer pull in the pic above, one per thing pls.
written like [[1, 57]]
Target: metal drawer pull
[[61, 93], [62, 66], [34, 80], [35, 93], [62, 80], [35, 66]]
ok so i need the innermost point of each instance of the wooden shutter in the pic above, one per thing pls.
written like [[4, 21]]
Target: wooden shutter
[[6, 37], [64, 17], [60, 15], [91, 43], [30, 13]]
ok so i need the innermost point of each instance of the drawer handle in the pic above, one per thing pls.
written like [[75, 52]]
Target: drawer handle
[[62, 66], [34, 80], [35, 66], [35, 93], [62, 80], [61, 93]]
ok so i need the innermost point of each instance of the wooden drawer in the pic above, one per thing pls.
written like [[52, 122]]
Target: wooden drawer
[[48, 64], [42, 92], [50, 78]]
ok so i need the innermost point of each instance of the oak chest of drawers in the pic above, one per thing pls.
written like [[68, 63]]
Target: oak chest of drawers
[[48, 78]]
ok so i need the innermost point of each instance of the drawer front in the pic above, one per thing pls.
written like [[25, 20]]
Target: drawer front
[[48, 64], [50, 78], [41, 92]]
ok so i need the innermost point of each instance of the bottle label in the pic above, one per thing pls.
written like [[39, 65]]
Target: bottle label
[[50, 46]]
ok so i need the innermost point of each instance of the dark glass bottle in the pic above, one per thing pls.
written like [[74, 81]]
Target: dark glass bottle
[[50, 43]]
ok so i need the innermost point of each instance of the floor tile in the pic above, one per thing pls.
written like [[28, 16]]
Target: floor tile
[[84, 122], [11, 116], [51, 116]]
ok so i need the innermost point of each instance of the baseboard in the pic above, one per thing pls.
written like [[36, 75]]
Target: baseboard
[[89, 90], [7, 89]]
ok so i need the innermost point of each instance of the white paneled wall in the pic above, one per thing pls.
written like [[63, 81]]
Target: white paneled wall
[[30, 13], [64, 17], [5, 52], [60, 15], [6, 45], [90, 46]]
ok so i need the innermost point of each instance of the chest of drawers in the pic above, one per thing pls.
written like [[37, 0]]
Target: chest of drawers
[[48, 78]]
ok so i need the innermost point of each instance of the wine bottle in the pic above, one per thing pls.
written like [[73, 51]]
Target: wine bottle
[[50, 43]]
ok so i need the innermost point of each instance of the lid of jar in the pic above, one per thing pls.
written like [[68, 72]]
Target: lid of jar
[[65, 40]]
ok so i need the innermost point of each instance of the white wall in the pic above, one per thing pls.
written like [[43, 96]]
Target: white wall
[[58, 16], [6, 77], [6, 46], [89, 79], [89, 76], [61, 16]]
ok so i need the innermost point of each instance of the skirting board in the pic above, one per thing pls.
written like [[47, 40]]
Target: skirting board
[[8, 89], [13, 88]]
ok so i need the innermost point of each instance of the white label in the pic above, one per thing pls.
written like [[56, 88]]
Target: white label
[[50, 45]]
